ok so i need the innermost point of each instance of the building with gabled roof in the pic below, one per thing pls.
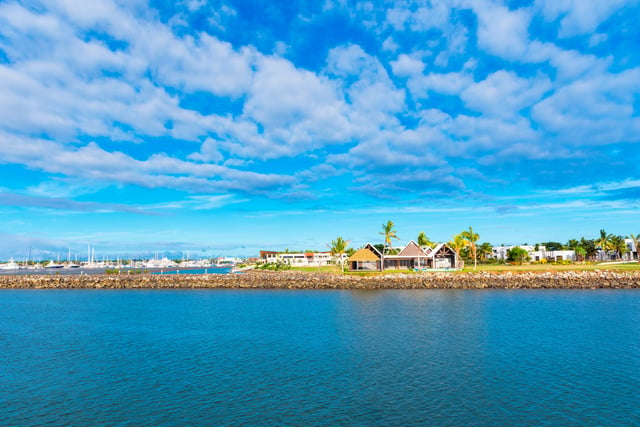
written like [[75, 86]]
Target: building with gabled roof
[[411, 257], [366, 258], [443, 257]]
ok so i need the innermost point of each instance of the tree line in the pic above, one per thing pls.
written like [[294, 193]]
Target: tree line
[[466, 245]]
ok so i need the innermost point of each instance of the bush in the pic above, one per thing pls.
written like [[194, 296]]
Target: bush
[[517, 255]]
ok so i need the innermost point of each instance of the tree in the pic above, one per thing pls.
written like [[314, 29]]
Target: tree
[[619, 246], [470, 239], [573, 244], [457, 243], [485, 250], [589, 246], [517, 255], [552, 246], [379, 247], [635, 238], [338, 248], [423, 240], [604, 241], [389, 232], [580, 253]]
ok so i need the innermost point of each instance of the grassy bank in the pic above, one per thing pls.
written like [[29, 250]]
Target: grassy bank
[[497, 268]]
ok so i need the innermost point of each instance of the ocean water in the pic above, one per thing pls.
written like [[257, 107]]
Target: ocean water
[[273, 357]]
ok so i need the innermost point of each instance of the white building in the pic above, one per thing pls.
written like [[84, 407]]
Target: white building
[[299, 259], [501, 253], [552, 256]]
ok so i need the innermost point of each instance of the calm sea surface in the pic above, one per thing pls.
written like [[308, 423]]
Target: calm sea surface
[[264, 357]]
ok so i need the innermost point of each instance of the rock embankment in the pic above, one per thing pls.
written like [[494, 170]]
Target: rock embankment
[[298, 280]]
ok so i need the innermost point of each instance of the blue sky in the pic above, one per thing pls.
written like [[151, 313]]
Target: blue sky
[[224, 127]]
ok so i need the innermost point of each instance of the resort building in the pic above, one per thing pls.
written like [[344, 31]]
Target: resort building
[[552, 256], [411, 257], [298, 259], [536, 254], [633, 250], [501, 253]]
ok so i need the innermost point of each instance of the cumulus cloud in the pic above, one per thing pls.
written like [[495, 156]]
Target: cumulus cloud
[[580, 16], [406, 66], [502, 32], [504, 93], [604, 115], [105, 92]]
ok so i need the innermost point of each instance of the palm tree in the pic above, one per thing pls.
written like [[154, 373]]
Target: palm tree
[[423, 240], [618, 245], [457, 243], [589, 246], [636, 239], [338, 248], [573, 244], [604, 242], [389, 232], [485, 250], [470, 239]]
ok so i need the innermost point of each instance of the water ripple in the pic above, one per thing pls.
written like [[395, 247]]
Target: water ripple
[[91, 357]]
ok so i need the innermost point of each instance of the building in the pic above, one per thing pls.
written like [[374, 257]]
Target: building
[[536, 254], [552, 256], [411, 257], [366, 259], [297, 259]]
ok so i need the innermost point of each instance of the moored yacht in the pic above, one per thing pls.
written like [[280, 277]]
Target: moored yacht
[[52, 264], [11, 265]]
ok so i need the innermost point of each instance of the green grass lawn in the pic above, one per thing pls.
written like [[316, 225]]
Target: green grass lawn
[[551, 267], [497, 268]]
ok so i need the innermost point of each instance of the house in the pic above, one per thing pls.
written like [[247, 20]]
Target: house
[[410, 257], [366, 259], [443, 257]]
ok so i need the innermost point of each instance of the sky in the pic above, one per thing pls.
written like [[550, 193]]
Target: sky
[[225, 127]]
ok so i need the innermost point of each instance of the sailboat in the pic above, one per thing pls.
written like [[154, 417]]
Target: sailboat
[[72, 264]]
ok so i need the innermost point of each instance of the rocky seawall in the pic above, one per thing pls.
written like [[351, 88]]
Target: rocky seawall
[[298, 280]]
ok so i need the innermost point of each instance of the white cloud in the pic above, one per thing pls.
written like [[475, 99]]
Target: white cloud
[[158, 171], [502, 32], [209, 152], [504, 93], [580, 16], [390, 45], [428, 15], [453, 83], [406, 66], [604, 114], [570, 64], [298, 110], [373, 98]]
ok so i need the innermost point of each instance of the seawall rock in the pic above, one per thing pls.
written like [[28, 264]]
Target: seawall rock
[[317, 280]]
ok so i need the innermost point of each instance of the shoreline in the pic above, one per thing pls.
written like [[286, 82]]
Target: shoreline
[[319, 280]]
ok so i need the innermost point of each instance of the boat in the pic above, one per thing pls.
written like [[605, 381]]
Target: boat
[[52, 264], [11, 265]]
